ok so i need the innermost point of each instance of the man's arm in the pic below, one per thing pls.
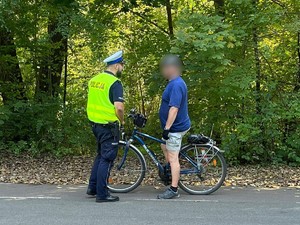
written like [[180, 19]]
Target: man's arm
[[171, 117], [119, 107], [116, 97]]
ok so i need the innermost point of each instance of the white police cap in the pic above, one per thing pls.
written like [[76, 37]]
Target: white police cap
[[115, 58]]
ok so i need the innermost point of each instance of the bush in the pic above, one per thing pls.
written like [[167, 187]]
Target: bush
[[44, 128]]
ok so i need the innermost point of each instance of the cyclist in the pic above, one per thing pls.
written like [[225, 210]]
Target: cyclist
[[174, 118]]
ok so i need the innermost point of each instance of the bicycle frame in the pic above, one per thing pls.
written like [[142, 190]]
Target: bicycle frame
[[136, 135]]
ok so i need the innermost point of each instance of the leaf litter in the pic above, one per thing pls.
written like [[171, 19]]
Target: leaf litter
[[76, 170]]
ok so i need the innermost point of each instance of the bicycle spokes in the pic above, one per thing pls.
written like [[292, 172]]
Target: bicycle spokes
[[128, 170], [201, 169], [203, 156]]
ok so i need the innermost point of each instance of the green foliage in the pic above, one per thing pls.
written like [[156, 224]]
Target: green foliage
[[241, 68], [44, 128], [222, 77]]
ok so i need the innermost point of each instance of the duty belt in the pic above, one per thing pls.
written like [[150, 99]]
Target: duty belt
[[107, 125]]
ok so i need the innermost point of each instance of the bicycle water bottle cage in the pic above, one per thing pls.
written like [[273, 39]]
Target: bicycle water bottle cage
[[140, 120], [198, 139]]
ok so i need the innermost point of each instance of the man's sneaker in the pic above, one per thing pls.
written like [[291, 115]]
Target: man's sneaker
[[168, 194]]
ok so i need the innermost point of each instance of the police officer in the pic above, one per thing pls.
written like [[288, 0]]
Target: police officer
[[105, 109]]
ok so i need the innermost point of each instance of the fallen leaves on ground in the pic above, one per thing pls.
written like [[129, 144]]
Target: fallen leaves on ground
[[262, 176], [76, 170]]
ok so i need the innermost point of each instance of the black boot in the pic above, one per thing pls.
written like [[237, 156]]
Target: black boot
[[109, 198], [90, 192]]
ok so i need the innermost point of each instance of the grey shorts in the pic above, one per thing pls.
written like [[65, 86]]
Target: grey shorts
[[174, 141]]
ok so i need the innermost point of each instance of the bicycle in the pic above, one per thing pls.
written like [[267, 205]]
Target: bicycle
[[203, 167]]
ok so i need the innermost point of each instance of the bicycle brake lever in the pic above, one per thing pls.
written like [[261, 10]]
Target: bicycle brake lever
[[123, 135]]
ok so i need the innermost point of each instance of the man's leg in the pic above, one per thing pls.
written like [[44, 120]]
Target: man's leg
[[109, 150], [164, 149], [173, 145], [175, 167], [175, 171], [103, 173], [93, 178]]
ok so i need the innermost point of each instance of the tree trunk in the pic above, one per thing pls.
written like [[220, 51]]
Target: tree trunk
[[297, 86], [257, 63], [290, 126], [258, 72], [51, 64], [143, 110], [170, 19], [11, 81], [258, 94], [219, 7], [65, 80]]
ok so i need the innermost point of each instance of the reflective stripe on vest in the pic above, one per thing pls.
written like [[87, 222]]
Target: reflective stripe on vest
[[99, 107]]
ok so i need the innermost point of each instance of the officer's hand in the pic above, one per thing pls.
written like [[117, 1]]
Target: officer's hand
[[165, 134]]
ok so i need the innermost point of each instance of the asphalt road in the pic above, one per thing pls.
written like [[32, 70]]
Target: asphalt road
[[51, 204]]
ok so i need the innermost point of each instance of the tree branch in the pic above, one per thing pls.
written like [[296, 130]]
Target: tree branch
[[277, 2], [297, 86], [170, 19], [150, 21]]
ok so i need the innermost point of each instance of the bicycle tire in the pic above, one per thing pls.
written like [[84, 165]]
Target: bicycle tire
[[141, 159], [217, 186]]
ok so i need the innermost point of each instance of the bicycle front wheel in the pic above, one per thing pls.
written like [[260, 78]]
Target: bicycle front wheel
[[203, 169], [128, 170]]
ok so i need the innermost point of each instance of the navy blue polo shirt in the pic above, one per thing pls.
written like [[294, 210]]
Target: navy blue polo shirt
[[175, 95]]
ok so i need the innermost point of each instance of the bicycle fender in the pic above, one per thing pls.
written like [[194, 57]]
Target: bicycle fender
[[219, 150]]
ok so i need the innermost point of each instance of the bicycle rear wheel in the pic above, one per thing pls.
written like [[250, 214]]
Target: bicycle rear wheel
[[203, 169], [128, 170]]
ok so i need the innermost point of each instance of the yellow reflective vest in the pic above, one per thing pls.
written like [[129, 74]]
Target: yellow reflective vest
[[99, 107]]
